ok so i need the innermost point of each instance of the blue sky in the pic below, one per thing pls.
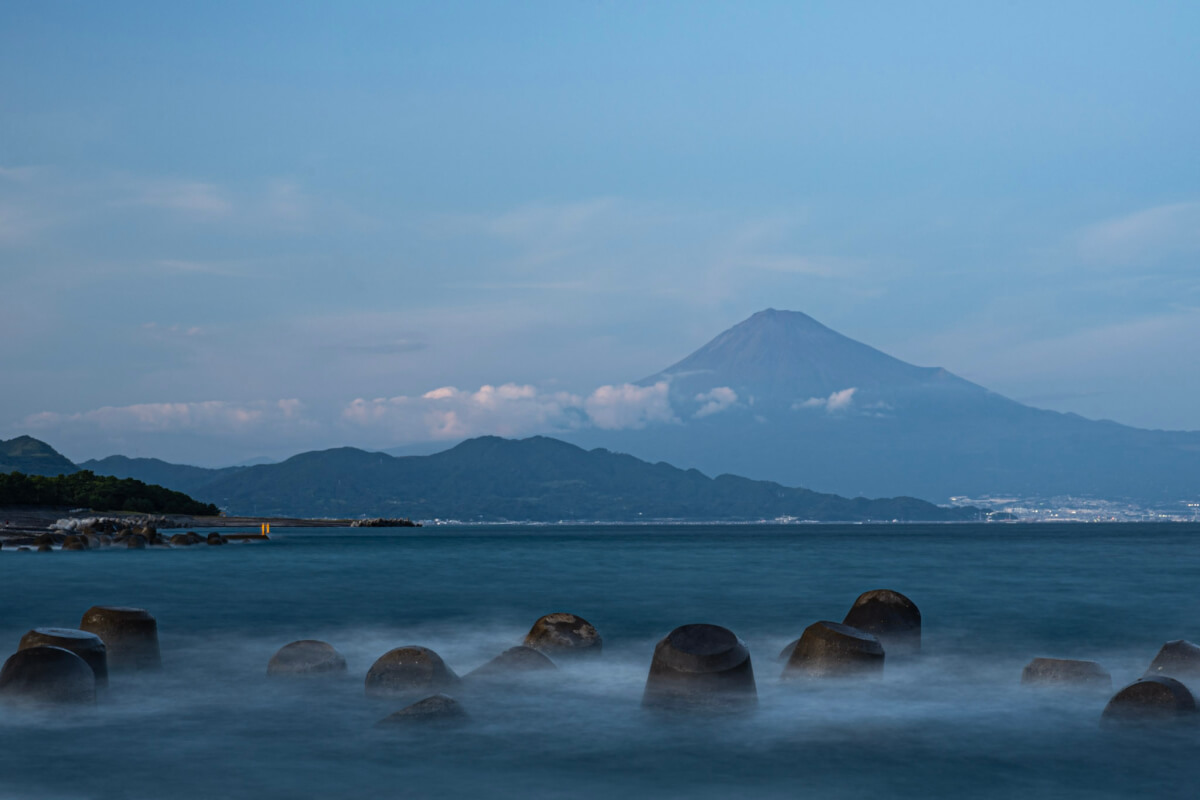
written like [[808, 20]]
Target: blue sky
[[221, 225]]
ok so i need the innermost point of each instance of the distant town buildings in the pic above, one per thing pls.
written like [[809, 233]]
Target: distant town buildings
[[1067, 508]]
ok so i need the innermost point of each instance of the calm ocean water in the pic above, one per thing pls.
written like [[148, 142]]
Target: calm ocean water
[[956, 722]]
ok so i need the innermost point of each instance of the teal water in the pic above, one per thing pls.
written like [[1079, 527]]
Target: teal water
[[956, 722]]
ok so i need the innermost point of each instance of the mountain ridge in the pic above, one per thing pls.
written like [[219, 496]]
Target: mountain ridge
[[539, 478]]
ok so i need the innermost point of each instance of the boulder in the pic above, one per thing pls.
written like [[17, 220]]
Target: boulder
[[87, 646], [438, 708], [74, 544], [215, 538], [1149, 700], [1176, 659], [561, 634], [700, 667], [46, 674], [890, 617], [136, 542], [130, 634], [405, 670], [94, 542], [45, 547], [514, 661], [832, 650], [193, 537], [306, 657], [180, 540], [1066, 673]]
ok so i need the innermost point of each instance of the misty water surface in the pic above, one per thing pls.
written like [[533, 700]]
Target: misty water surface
[[955, 722]]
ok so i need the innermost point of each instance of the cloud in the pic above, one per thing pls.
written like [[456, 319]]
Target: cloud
[[715, 400], [194, 198], [450, 413], [838, 401], [509, 410], [208, 417], [629, 406], [1144, 237]]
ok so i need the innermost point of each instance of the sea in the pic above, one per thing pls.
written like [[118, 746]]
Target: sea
[[954, 722]]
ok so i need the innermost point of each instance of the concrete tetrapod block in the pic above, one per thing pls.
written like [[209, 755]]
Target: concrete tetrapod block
[[130, 634], [439, 708], [307, 657], [405, 670], [832, 650], [786, 652], [87, 646], [44, 674], [1150, 700], [562, 634], [514, 661], [1066, 673], [890, 617], [1176, 659], [700, 667]]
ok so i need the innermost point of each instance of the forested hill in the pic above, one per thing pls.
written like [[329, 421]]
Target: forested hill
[[539, 479], [32, 457], [83, 489]]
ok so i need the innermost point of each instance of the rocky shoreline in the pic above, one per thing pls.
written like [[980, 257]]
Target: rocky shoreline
[[23, 523]]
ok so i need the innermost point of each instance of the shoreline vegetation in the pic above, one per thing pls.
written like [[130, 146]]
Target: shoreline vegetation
[[101, 492]]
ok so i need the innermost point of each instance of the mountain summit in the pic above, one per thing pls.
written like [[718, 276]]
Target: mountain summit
[[782, 397], [780, 358]]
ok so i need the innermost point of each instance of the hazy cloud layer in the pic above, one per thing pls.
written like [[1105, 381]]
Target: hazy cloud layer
[[213, 416], [509, 410]]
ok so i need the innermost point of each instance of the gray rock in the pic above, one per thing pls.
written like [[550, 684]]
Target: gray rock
[[1150, 700], [514, 661], [307, 657], [562, 634], [87, 646], [1176, 659], [1066, 673], [407, 670], [700, 667], [130, 634], [439, 708], [832, 650], [47, 675], [136, 542], [890, 617]]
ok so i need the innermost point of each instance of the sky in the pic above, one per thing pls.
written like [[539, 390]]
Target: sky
[[231, 230]]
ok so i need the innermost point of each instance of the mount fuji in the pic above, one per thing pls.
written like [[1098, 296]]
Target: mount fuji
[[781, 397]]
